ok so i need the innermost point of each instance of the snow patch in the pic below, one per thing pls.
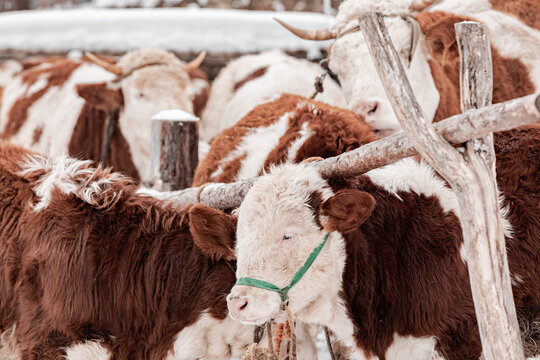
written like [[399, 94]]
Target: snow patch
[[181, 30], [174, 115]]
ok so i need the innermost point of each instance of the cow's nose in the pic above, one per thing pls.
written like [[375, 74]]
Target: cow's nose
[[237, 304], [369, 108]]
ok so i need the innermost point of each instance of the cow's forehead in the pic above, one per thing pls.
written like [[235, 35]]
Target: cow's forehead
[[138, 58], [282, 193]]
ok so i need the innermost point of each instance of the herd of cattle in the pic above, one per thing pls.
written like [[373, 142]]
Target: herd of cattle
[[92, 266]]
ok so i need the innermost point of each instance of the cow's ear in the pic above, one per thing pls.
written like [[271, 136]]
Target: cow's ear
[[347, 210], [213, 231], [101, 95]]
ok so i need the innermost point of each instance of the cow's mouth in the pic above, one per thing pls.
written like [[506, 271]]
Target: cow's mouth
[[382, 133]]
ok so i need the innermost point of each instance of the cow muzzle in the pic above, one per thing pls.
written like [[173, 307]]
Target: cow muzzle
[[252, 306]]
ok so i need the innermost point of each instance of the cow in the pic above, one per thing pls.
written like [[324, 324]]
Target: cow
[[90, 268], [432, 61], [59, 105], [255, 79], [388, 268], [289, 129]]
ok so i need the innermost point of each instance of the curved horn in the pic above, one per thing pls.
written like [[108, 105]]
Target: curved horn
[[323, 34], [117, 70], [419, 5], [195, 63]]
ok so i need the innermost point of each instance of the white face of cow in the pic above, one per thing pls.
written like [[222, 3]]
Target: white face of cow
[[350, 59], [152, 80], [146, 92], [279, 225]]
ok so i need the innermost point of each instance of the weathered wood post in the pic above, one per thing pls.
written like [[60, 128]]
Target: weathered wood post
[[487, 248], [485, 259], [174, 149]]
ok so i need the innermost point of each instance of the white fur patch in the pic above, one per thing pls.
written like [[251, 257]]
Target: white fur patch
[[69, 175], [256, 145], [305, 133], [408, 175], [212, 338], [409, 347], [9, 350], [89, 350]]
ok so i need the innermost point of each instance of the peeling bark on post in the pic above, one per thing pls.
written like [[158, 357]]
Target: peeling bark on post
[[494, 318], [486, 250], [456, 129], [174, 149]]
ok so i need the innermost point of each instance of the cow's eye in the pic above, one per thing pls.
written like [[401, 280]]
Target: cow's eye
[[288, 236]]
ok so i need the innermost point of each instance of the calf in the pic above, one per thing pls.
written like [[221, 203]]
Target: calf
[[391, 278], [289, 129], [90, 269], [59, 105], [255, 79]]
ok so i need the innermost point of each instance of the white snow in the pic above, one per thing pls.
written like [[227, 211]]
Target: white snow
[[175, 115], [178, 29]]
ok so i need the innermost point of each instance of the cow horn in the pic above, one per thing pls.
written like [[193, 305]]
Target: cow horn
[[117, 70], [323, 34], [195, 63], [419, 5]]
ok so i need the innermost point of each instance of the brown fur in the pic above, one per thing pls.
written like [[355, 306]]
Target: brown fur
[[37, 135], [510, 76], [200, 100], [255, 74], [87, 139], [56, 75], [128, 273], [404, 273], [528, 11], [336, 131]]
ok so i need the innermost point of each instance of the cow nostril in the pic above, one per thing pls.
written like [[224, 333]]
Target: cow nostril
[[243, 306], [373, 109]]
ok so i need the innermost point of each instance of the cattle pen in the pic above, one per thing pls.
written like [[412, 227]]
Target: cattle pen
[[157, 205], [459, 148]]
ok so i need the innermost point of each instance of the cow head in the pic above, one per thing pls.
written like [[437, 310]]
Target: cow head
[[283, 218], [350, 59], [146, 82]]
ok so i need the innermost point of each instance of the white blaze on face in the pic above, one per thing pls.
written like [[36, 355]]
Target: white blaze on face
[[351, 61], [276, 233]]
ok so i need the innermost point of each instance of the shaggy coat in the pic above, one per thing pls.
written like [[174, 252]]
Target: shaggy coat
[[85, 258]]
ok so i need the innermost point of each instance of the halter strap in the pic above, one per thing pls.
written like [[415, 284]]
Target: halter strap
[[284, 291]]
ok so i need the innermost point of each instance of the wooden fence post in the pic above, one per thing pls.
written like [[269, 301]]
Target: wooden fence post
[[485, 260], [476, 84], [174, 149]]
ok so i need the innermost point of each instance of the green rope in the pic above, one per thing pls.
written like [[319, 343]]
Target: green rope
[[284, 291]]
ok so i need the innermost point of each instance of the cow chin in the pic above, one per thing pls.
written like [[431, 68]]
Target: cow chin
[[253, 306]]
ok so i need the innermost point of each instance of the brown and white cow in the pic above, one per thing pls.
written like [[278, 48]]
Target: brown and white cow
[[433, 70], [391, 281], [58, 105], [256, 79], [91, 269], [289, 129]]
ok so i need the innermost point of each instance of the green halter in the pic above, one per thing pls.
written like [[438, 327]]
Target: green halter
[[283, 292]]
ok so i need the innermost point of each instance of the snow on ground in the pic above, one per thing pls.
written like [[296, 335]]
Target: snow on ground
[[181, 30]]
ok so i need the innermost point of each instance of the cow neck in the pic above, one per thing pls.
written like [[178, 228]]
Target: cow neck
[[283, 292]]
